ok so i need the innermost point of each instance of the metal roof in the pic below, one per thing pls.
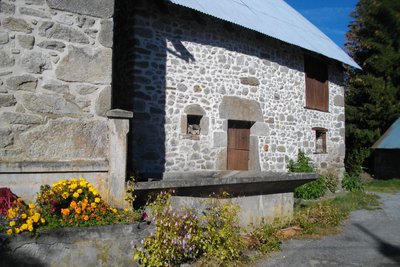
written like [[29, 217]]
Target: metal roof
[[274, 18], [391, 138]]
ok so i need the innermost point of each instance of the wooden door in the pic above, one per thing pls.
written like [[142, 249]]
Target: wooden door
[[238, 146]]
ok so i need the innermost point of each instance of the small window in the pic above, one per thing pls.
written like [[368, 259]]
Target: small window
[[320, 140], [317, 92], [193, 124]]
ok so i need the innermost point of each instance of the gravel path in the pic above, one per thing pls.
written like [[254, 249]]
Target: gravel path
[[368, 238]]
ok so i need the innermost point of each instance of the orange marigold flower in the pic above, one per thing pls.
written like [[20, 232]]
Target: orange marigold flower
[[65, 212], [78, 210], [85, 217]]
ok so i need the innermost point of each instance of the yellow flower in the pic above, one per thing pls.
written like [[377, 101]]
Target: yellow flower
[[97, 200], [31, 205], [12, 223], [65, 195], [23, 216], [75, 195], [126, 209], [19, 200], [17, 230], [9, 232], [24, 227], [30, 228], [93, 205], [82, 183], [42, 220], [79, 191]]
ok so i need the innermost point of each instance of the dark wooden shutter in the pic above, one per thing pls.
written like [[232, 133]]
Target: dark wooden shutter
[[317, 93]]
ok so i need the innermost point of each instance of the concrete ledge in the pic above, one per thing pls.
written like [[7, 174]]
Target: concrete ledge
[[119, 114], [54, 166], [234, 182]]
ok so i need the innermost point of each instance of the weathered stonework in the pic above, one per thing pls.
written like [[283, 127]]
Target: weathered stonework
[[51, 110], [177, 62]]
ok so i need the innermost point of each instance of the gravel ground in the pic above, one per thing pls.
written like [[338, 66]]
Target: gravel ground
[[368, 238]]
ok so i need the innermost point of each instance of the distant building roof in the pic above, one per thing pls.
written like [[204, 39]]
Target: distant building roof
[[391, 138], [274, 18]]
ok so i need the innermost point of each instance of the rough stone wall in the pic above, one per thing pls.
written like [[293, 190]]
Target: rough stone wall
[[178, 58], [83, 246], [55, 76]]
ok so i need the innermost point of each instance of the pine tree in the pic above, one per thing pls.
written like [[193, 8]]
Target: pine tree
[[373, 95]]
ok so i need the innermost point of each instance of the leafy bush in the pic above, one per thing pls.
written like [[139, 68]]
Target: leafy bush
[[302, 164], [265, 238], [221, 241], [352, 183], [311, 190], [22, 217], [180, 236], [75, 202], [331, 181], [176, 238]]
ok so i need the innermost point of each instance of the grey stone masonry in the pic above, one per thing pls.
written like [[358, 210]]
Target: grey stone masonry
[[55, 78], [179, 58]]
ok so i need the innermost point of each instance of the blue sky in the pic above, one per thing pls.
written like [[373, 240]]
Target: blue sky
[[330, 16]]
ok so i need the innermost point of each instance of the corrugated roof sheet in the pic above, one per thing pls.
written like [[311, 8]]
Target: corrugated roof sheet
[[274, 18], [391, 138]]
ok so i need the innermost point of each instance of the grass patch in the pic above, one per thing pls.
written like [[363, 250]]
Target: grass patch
[[318, 218], [383, 186]]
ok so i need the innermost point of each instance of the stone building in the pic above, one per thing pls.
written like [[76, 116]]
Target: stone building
[[198, 91]]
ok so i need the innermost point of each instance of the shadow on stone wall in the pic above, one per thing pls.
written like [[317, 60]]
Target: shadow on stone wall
[[142, 30]]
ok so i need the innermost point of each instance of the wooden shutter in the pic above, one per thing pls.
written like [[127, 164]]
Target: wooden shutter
[[317, 93]]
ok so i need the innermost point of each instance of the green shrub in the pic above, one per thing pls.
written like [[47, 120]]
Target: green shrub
[[331, 181], [302, 164], [352, 183], [265, 238], [311, 190], [180, 236], [176, 238], [221, 242]]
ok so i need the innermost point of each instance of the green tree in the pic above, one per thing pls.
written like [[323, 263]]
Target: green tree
[[373, 95]]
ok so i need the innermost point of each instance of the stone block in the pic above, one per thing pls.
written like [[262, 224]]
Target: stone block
[[35, 2], [4, 38], [56, 86], [6, 60], [338, 101], [95, 8], [35, 62], [18, 25], [7, 8], [85, 89], [194, 109], [66, 33], [106, 33], [24, 82], [67, 139], [6, 137], [26, 41], [81, 65], [47, 104], [103, 101], [34, 12], [21, 118], [260, 129], [236, 108], [53, 45], [253, 81], [7, 100], [220, 139]]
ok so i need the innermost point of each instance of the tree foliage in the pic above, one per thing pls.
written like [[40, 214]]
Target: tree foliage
[[373, 95]]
